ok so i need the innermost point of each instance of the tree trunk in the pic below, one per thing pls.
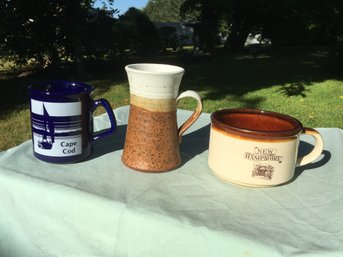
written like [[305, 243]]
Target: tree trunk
[[78, 58], [238, 35]]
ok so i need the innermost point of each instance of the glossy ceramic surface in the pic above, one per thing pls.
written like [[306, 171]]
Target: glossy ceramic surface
[[257, 148], [62, 120]]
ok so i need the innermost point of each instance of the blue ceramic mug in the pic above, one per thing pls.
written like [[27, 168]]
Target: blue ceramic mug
[[62, 120]]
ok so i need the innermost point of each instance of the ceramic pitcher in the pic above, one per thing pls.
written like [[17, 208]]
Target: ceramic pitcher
[[153, 136]]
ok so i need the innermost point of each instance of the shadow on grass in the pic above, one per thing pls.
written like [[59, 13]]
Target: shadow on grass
[[294, 89], [237, 75], [218, 76]]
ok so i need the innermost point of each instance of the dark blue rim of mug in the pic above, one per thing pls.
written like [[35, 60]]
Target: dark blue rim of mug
[[60, 87]]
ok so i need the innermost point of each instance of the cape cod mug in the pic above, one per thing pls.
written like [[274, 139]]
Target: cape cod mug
[[257, 148], [62, 120], [152, 136]]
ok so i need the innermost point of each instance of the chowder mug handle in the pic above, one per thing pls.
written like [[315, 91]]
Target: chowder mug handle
[[316, 151], [194, 116], [104, 103]]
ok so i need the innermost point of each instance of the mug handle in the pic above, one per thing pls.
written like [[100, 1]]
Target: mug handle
[[104, 103], [194, 116], [317, 150]]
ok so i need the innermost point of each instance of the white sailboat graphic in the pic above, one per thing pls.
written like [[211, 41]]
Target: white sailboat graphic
[[48, 137]]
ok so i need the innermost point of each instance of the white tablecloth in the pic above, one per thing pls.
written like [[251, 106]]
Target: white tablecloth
[[99, 207]]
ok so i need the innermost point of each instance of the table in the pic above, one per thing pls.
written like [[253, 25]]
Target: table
[[99, 207]]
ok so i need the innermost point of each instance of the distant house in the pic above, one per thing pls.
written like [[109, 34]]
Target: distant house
[[256, 39], [183, 33]]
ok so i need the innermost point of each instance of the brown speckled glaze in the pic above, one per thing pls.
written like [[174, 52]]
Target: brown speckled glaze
[[151, 143], [152, 135]]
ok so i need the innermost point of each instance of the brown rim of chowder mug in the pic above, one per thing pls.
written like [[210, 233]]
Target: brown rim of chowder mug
[[239, 122], [257, 148]]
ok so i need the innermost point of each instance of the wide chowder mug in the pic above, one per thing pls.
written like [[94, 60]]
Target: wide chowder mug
[[152, 136], [62, 120], [257, 148]]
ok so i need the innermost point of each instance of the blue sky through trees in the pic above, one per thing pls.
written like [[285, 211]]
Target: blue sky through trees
[[124, 5]]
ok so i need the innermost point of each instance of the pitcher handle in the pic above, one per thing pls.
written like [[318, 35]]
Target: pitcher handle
[[194, 116], [317, 150]]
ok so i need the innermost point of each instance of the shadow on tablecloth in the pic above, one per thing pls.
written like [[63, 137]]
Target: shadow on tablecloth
[[111, 143], [195, 143], [304, 149]]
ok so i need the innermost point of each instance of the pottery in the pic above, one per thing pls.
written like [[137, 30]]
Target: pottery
[[152, 136], [257, 148], [62, 120]]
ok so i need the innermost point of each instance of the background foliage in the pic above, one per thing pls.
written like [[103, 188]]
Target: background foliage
[[49, 32], [164, 11], [299, 74]]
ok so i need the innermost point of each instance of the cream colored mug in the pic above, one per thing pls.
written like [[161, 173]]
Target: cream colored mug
[[257, 148]]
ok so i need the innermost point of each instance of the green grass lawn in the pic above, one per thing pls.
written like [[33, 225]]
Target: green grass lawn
[[305, 84]]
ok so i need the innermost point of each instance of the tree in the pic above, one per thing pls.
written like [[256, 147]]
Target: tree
[[163, 10], [168, 37], [46, 31], [303, 22], [243, 17], [205, 16], [99, 41], [136, 33], [285, 22]]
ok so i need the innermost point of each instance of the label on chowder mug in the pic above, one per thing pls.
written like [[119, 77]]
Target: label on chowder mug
[[264, 161], [56, 128]]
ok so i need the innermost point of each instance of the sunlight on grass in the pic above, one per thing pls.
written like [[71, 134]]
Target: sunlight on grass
[[301, 85], [15, 128], [320, 106]]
